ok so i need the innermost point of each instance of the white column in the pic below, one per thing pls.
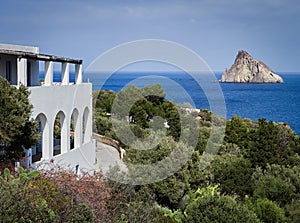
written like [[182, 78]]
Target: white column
[[68, 147], [51, 146], [65, 71], [48, 73], [77, 129], [65, 135], [78, 73], [78, 142], [47, 143], [22, 71], [88, 132]]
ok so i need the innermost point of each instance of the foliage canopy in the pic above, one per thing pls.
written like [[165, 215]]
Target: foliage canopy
[[17, 130]]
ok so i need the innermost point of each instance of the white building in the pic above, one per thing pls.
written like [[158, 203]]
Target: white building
[[68, 103]]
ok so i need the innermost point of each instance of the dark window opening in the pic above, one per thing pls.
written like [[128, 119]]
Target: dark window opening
[[28, 73], [8, 71]]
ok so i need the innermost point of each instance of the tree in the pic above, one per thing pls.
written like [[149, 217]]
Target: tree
[[276, 183], [268, 211], [169, 192], [104, 100], [237, 132], [266, 145], [140, 106], [26, 198], [154, 94], [293, 211], [173, 118], [17, 130], [233, 174], [214, 208]]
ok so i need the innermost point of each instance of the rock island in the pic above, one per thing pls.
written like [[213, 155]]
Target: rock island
[[246, 69]]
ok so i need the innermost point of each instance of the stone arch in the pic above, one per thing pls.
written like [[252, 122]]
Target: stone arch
[[86, 125], [60, 134], [75, 129], [42, 148]]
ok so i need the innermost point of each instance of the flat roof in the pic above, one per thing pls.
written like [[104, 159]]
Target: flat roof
[[30, 49], [33, 53]]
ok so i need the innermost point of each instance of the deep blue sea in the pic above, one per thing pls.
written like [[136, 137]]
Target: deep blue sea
[[276, 102]]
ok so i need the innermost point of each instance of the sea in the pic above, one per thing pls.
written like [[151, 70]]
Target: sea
[[274, 102]]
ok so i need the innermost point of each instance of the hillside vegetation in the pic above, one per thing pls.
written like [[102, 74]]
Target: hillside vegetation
[[254, 177]]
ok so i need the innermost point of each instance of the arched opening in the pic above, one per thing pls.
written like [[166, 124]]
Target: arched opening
[[40, 150], [59, 131], [74, 130], [85, 125]]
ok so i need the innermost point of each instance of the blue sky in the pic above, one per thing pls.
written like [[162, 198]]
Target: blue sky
[[215, 29]]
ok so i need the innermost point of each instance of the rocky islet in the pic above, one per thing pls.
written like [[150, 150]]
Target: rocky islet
[[246, 69]]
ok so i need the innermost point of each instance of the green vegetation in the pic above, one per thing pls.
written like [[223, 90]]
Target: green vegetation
[[255, 176], [17, 131], [53, 196], [209, 206], [140, 105]]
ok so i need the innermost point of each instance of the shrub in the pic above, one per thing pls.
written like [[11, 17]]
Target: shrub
[[268, 211], [218, 209]]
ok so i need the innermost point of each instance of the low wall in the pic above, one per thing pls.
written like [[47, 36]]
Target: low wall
[[107, 141]]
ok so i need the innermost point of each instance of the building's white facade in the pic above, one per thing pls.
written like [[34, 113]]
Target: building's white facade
[[71, 102]]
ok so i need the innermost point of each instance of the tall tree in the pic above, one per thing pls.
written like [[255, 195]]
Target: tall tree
[[17, 130], [266, 145]]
